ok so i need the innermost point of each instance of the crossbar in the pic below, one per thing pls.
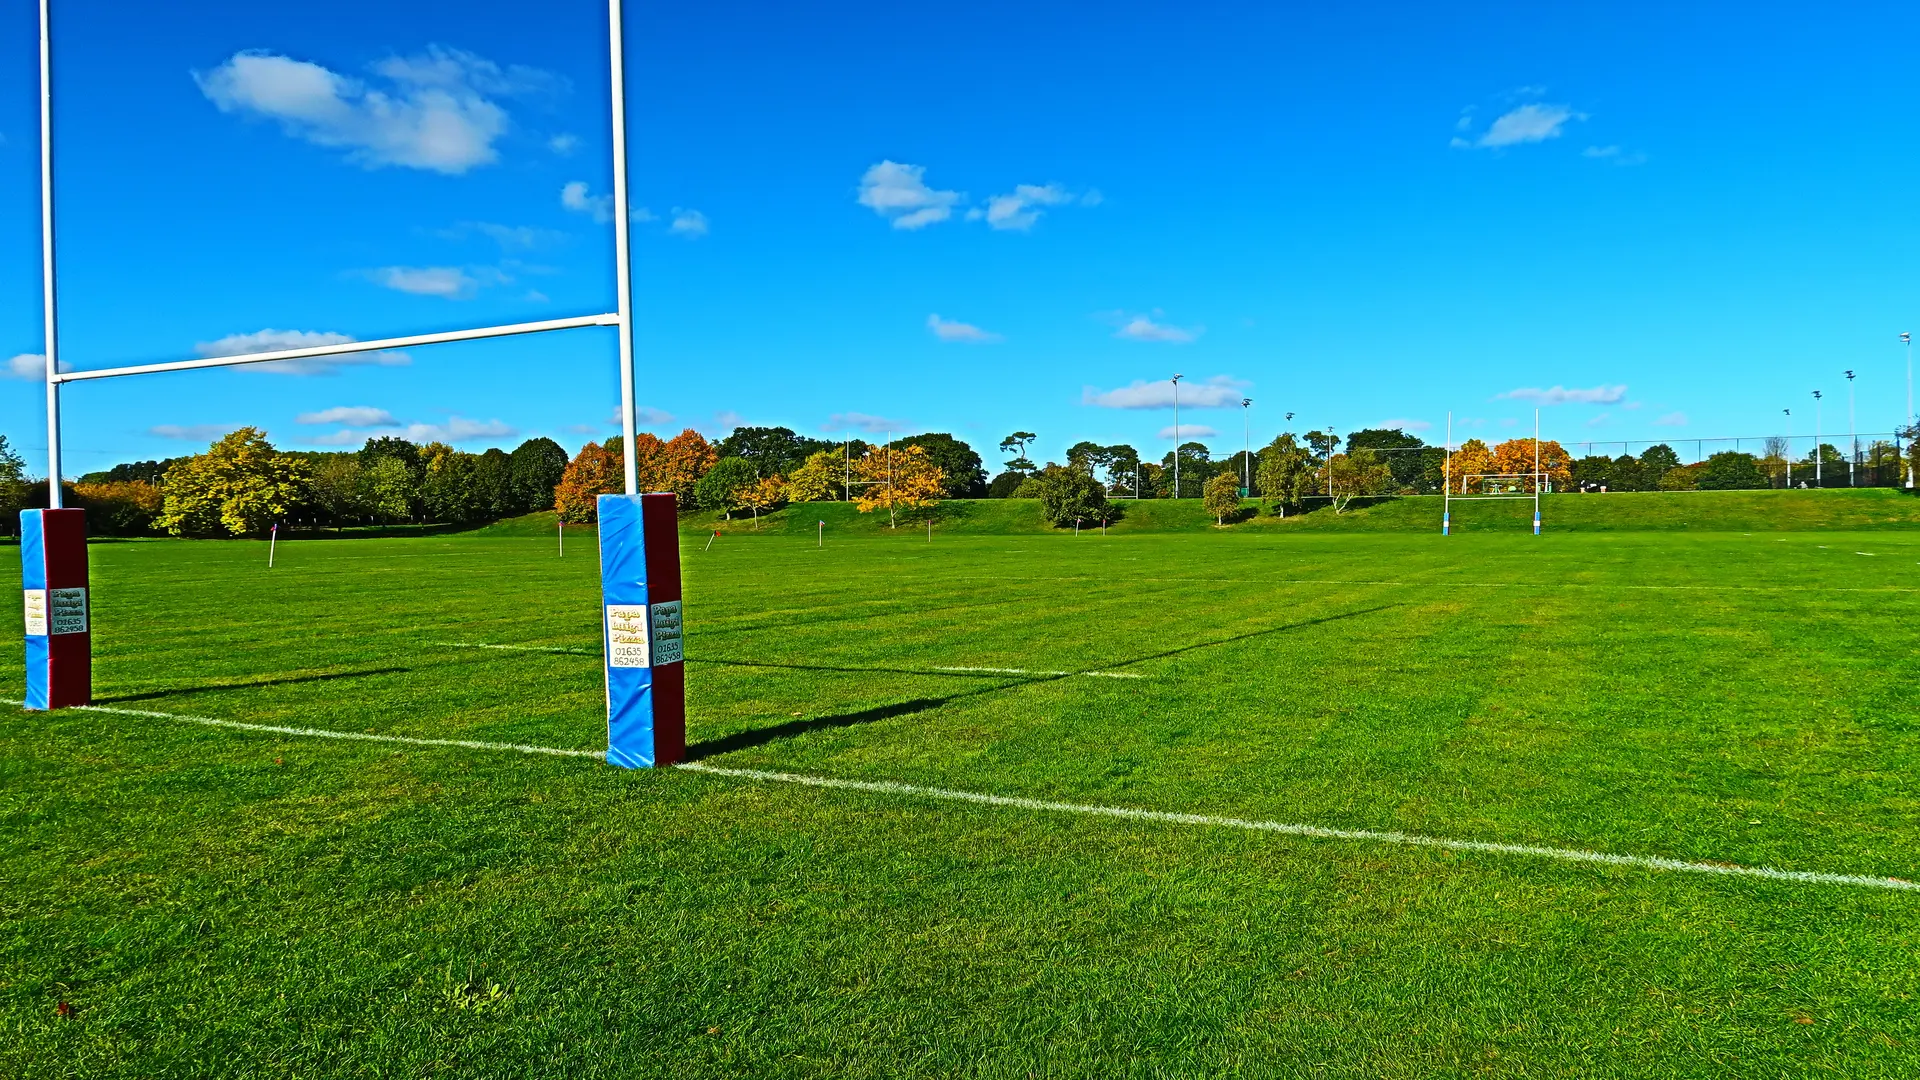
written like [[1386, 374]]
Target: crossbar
[[343, 348]]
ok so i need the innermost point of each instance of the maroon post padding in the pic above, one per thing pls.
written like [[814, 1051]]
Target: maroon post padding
[[69, 656], [660, 522]]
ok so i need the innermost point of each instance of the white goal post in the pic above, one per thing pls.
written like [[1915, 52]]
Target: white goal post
[[1537, 477], [622, 318]]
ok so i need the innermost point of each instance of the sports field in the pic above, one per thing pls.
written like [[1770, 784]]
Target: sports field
[[219, 901]]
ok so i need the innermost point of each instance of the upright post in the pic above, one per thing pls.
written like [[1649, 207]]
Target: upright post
[[560, 530], [47, 290], [622, 268], [1538, 477], [1246, 450], [53, 575], [820, 540], [273, 539], [1176, 436], [1446, 483], [640, 598], [1853, 435]]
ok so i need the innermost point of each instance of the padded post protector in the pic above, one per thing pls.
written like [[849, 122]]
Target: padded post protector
[[53, 575], [640, 628]]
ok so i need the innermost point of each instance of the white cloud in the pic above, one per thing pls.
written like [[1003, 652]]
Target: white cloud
[[1142, 328], [436, 111], [456, 429], [447, 282], [1560, 395], [951, 330], [1672, 419], [643, 416], [1189, 431], [351, 415], [1530, 123], [1404, 425], [1218, 392], [577, 197], [1615, 155], [689, 223], [189, 432], [1017, 210], [728, 419], [563, 144], [28, 366], [898, 193], [853, 421], [1599, 420], [509, 237], [280, 340]]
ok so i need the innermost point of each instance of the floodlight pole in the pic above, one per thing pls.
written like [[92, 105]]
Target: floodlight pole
[[1816, 438], [622, 268], [1246, 447], [1788, 413], [1853, 434], [1176, 436], [1906, 338], [46, 256], [1446, 483]]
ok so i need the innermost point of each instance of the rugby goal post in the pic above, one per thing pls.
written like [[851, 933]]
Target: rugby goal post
[[640, 580], [1537, 478]]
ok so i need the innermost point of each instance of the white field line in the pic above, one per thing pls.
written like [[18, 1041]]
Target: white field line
[[1497, 584], [352, 736], [516, 648], [974, 670], [1030, 671], [1318, 832], [882, 787]]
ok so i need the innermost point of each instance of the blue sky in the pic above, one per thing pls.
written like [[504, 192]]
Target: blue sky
[[1654, 223]]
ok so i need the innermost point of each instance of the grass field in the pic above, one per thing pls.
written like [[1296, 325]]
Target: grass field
[[219, 902]]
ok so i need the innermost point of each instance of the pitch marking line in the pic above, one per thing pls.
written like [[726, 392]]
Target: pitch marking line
[[1029, 671], [882, 787], [1576, 855], [353, 736], [516, 648], [974, 670]]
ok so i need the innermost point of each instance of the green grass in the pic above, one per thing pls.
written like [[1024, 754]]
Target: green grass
[[1639, 511], [218, 903]]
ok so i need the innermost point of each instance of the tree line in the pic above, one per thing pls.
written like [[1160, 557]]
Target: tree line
[[242, 484]]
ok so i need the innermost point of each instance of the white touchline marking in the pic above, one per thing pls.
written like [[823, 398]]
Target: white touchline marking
[[1644, 862], [516, 648], [887, 787], [319, 733], [1030, 671]]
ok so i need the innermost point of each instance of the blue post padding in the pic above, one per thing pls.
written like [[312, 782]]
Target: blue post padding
[[33, 575], [623, 581]]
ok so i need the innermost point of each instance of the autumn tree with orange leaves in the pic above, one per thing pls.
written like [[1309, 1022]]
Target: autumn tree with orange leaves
[[1516, 456], [1468, 464], [595, 471], [896, 478]]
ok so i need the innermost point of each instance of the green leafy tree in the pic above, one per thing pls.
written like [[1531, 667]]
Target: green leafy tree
[[1196, 468], [1004, 485], [1123, 471], [536, 467], [724, 486], [1016, 444], [1731, 470], [239, 486], [337, 488], [447, 490], [964, 476], [493, 484], [1222, 497], [1069, 495], [1355, 475], [1399, 451], [1678, 478], [1655, 461], [1592, 471], [388, 490], [772, 451], [1286, 473], [14, 486]]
